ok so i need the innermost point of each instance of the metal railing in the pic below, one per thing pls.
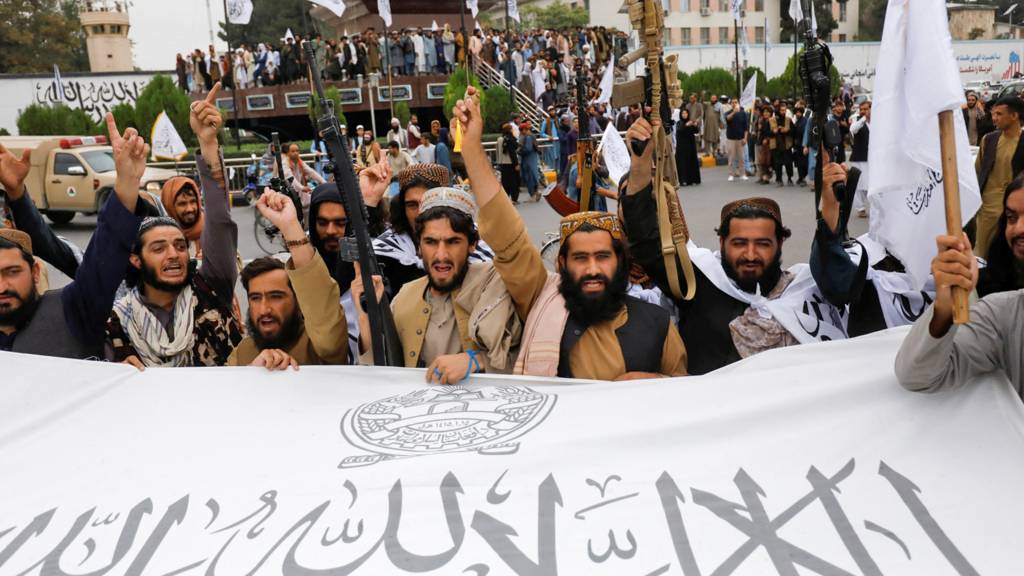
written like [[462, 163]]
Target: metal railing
[[525, 105]]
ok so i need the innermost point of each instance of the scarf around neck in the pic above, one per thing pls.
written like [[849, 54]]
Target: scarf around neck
[[147, 334]]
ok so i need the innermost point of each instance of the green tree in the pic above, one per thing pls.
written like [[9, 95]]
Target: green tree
[[497, 109], [402, 112], [710, 81], [456, 89], [269, 22], [556, 16], [161, 95], [36, 34], [124, 115], [872, 18], [57, 120], [823, 14], [333, 94]]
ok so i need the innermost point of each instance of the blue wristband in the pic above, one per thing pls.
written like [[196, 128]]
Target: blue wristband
[[474, 364]]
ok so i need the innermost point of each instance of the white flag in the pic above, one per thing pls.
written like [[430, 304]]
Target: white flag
[[917, 79], [473, 6], [1010, 10], [744, 43], [814, 20], [58, 86], [478, 26], [616, 155], [288, 34], [607, 83], [796, 12], [736, 7], [335, 6], [384, 9], [433, 26], [767, 43], [167, 144], [513, 10], [749, 93], [239, 11]]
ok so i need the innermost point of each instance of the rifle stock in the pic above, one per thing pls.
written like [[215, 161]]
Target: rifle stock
[[386, 346]]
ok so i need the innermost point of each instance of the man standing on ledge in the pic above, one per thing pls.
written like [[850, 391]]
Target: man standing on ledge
[[579, 322]]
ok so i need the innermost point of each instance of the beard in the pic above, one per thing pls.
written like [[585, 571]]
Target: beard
[[768, 279], [594, 309], [189, 219], [149, 276], [454, 283], [20, 315], [286, 336]]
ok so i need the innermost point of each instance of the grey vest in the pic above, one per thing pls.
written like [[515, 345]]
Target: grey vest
[[48, 333]]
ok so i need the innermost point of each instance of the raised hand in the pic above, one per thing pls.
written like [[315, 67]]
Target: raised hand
[[130, 152], [640, 166], [13, 171], [279, 210], [467, 111], [205, 118], [374, 181]]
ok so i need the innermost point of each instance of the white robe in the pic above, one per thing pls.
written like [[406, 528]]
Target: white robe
[[421, 55]]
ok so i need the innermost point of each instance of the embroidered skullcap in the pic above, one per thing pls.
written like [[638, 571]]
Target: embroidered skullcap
[[154, 221], [436, 174], [767, 204], [457, 198], [603, 220], [23, 240]]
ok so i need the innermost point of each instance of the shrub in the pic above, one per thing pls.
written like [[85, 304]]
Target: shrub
[[497, 108], [710, 81], [161, 95], [402, 112], [332, 94], [456, 89], [58, 120]]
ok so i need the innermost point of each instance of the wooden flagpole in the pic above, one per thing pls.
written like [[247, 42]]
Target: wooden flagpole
[[951, 188]]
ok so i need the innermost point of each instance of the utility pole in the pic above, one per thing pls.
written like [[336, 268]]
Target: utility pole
[[387, 52], [510, 68], [736, 46], [234, 86], [209, 20]]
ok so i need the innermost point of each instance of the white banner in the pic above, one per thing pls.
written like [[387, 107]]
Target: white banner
[[616, 155], [749, 93], [384, 9], [607, 83], [916, 80], [166, 143], [335, 6], [513, 10], [474, 7], [807, 460], [239, 11]]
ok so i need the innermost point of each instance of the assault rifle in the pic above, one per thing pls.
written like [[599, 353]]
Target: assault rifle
[[584, 143], [659, 91], [356, 246], [814, 66]]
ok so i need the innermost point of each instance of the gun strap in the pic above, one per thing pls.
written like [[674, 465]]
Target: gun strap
[[672, 227]]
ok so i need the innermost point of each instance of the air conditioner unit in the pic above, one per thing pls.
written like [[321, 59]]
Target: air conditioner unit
[[705, 11]]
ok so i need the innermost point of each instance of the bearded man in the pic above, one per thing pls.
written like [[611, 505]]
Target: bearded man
[[69, 322], [397, 248], [180, 197], [580, 322], [457, 319], [172, 315], [281, 335], [744, 301]]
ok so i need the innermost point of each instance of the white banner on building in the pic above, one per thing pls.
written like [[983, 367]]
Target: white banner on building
[[337, 7], [239, 11], [917, 79], [166, 143], [807, 460]]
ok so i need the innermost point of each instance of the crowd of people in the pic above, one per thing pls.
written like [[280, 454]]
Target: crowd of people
[[470, 290]]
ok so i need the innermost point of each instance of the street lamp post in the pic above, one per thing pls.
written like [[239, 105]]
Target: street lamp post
[[372, 84], [234, 86]]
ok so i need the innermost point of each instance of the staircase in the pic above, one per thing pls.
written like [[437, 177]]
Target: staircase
[[525, 105]]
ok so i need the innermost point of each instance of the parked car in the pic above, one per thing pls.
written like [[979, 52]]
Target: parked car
[[1011, 89]]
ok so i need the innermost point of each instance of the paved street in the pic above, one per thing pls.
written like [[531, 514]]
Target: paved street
[[702, 204]]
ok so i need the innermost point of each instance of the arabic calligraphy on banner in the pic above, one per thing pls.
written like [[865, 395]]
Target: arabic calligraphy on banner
[[96, 96]]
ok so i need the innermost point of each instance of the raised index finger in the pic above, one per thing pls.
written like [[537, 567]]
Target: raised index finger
[[211, 98], [112, 127]]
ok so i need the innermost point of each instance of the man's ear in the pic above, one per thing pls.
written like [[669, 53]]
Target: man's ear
[[135, 261], [37, 272]]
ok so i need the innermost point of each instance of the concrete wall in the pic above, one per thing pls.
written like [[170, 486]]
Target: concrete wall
[[963, 20], [979, 60], [95, 93]]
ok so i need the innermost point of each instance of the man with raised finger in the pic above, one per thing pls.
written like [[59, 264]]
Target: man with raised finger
[[174, 315], [280, 334], [939, 354], [70, 322]]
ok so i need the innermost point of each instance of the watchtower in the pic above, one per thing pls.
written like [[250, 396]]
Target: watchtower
[[106, 26]]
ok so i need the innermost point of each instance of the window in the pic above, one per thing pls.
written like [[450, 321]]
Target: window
[[666, 38], [842, 37], [759, 35], [758, 5], [723, 5], [723, 35], [684, 6], [705, 4], [115, 29], [97, 29], [705, 35], [686, 37], [63, 161], [842, 11]]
